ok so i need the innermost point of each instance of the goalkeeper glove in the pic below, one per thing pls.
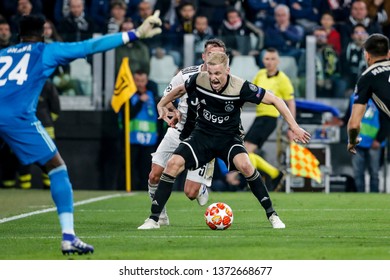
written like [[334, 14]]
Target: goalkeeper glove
[[150, 27]]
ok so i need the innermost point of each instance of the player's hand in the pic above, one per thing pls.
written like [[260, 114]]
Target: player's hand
[[163, 114], [150, 27], [352, 147], [175, 117], [300, 135], [290, 135]]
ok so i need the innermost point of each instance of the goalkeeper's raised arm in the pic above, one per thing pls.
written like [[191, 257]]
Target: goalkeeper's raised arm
[[63, 53]]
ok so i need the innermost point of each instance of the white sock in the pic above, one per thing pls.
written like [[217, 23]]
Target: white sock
[[66, 221]]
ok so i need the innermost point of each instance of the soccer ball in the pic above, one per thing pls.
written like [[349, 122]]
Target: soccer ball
[[218, 216]]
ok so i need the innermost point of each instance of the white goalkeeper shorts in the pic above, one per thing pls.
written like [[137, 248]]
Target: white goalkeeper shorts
[[168, 145]]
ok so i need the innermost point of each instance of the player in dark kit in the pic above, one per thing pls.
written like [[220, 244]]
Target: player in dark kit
[[24, 68], [217, 132], [374, 83]]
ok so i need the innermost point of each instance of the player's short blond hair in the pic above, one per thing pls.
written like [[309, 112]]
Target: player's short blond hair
[[216, 58]]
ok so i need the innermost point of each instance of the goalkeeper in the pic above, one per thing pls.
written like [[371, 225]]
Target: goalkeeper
[[24, 69]]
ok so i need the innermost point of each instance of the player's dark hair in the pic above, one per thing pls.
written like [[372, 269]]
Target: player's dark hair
[[272, 50], [216, 43], [31, 25], [377, 45]]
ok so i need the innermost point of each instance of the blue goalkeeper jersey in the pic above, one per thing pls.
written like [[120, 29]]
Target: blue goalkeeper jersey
[[25, 67]]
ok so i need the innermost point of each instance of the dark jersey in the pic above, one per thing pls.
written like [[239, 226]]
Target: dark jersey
[[219, 112], [375, 83]]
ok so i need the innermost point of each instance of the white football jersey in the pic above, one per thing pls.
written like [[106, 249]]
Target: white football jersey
[[177, 80]]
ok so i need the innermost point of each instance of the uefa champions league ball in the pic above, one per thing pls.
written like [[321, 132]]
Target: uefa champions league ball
[[219, 216]]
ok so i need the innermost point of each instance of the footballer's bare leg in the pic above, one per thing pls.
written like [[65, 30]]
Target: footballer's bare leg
[[54, 162], [175, 165], [155, 173], [191, 189], [198, 191]]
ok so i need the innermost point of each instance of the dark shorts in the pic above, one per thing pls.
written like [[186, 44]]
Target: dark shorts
[[260, 130], [200, 148]]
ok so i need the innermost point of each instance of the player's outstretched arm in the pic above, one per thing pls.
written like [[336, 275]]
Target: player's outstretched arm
[[63, 53], [300, 135]]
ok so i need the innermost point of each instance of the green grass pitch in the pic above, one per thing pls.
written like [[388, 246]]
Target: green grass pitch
[[336, 226]]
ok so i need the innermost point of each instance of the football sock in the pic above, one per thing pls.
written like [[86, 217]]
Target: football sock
[[162, 195], [62, 194], [152, 189], [261, 164], [260, 191], [66, 222]]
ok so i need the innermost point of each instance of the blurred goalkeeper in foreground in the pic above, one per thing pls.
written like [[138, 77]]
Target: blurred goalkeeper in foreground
[[24, 70]]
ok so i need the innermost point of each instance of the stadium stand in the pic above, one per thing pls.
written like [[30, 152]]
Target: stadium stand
[[244, 66]]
